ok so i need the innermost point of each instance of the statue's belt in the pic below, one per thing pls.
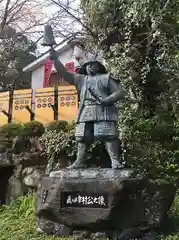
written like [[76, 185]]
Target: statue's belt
[[94, 94], [98, 98]]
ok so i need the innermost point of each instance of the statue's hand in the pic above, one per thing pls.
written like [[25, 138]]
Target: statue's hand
[[53, 55], [104, 102]]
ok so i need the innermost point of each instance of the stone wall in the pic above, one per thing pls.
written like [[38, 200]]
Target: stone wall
[[21, 167]]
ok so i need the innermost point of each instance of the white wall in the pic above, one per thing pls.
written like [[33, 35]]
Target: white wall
[[37, 76]]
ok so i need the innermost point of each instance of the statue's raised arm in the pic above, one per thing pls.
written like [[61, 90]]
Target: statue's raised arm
[[49, 41], [71, 78]]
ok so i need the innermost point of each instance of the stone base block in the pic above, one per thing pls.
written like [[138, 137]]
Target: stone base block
[[101, 203]]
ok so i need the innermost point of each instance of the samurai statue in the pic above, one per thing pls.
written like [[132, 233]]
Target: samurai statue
[[97, 113]]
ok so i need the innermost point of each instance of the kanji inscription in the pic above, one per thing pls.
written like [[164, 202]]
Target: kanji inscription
[[88, 200]]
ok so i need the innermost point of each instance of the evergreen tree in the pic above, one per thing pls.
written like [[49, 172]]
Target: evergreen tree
[[140, 41], [16, 52]]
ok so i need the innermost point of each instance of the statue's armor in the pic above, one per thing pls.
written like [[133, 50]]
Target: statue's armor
[[90, 109]]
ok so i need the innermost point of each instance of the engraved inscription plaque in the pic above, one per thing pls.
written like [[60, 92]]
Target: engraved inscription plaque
[[86, 200]]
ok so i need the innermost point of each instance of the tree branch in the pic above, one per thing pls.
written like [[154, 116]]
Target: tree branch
[[65, 9], [3, 22]]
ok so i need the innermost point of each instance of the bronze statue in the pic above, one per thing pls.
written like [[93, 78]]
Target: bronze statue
[[97, 113]]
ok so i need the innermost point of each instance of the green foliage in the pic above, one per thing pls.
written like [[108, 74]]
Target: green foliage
[[170, 228], [11, 129], [151, 145], [17, 221], [16, 52], [58, 126], [63, 144], [140, 42], [7, 133], [33, 128]]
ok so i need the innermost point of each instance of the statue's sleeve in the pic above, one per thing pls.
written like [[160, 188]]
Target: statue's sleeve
[[71, 78], [78, 81], [115, 91], [114, 85]]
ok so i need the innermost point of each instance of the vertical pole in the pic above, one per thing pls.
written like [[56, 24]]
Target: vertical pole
[[55, 108], [56, 102], [11, 93], [32, 116]]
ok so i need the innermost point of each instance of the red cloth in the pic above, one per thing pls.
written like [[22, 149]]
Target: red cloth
[[70, 66], [48, 64], [47, 72]]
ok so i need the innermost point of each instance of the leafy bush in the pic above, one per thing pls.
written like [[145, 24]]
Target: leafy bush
[[59, 143], [58, 126], [147, 66], [152, 145], [64, 144], [7, 133], [170, 230], [11, 129], [33, 128]]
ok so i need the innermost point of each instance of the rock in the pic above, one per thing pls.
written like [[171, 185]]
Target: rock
[[80, 235], [2, 148], [31, 176], [49, 227], [6, 160], [18, 171], [101, 200], [39, 230], [16, 189], [29, 159], [149, 236], [26, 164], [131, 233], [21, 144], [29, 167], [62, 231], [104, 184], [44, 225], [99, 235]]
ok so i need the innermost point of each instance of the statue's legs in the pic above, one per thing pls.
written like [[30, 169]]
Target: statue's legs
[[108, 132], [84, 136], [105, 131], [113, 149], [81, 156]]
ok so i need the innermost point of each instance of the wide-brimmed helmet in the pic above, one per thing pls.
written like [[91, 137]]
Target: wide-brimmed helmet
[[102, 68]]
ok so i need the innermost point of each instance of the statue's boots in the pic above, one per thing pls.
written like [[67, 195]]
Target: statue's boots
[[113, 149], [81, 156]]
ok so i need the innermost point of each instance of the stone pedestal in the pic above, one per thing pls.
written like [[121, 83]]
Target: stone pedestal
[[98, 203]]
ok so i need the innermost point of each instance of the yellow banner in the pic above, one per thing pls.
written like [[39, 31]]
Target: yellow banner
[[44, 98], [67, 103], [4, 105], [21, 99]]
